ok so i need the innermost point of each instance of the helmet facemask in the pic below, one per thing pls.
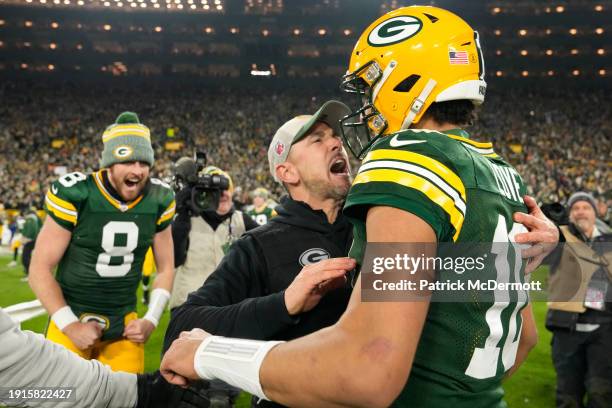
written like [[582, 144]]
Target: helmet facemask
[[365, 125]]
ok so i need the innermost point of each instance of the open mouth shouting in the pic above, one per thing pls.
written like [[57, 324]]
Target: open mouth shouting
[[339, 166]]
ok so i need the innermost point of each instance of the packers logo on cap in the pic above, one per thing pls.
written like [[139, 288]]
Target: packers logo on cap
[[123, 152]]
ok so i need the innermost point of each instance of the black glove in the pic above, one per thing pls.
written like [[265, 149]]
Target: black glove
[[155, 392]]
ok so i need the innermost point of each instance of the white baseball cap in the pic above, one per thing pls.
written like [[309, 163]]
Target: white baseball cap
[[297, 128]]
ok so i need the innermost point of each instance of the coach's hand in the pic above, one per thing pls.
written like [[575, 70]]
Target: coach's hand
[[543, 234], [83, 335], [314, 281], [138, 330], [177, 366]]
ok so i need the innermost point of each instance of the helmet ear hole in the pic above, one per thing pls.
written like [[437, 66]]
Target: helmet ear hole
[[407, 84]]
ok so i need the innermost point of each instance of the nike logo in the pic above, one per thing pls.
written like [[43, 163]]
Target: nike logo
[[399, 143], [54, 190]]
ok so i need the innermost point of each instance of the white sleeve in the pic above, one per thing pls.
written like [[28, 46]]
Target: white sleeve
[[27, 359]]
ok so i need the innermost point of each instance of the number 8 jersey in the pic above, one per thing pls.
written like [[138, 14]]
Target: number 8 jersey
[[467, 194], [101, 268]]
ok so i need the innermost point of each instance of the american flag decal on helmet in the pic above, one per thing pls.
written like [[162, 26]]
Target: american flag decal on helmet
[[458, 57]]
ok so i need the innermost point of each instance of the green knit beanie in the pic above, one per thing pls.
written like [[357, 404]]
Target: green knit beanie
[[126, 140]]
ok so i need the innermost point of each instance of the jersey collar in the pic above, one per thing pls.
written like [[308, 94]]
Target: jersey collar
[[122, 206], [484, 148]]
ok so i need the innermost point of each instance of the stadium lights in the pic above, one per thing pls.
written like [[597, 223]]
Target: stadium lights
[[599, 30], [573, 31], [54, 25], [208, 30], [551, 73], [347, 32], [24, 66], [496, 10], [158, 29], [52, 46], [549, 52], [28, 24], [234, 30], [256, 72], [522, 32], [265, 32], [560, 9], [499, 73], [297, 31], [107, 27], [599, 7], [575, 72], [79, 47], [574, 51], [525, 73], [548, 31], [524, 52], [602, 72], [601, 51], [497, 32], [2, 22], [51, 67], [43, 1], [498, 52], [322, 31]]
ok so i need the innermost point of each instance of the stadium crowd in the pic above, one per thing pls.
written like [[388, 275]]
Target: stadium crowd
[[559, 143]]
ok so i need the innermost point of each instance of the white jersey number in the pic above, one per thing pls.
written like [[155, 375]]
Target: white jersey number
[[484, 360], [71, 179], [109, 234]]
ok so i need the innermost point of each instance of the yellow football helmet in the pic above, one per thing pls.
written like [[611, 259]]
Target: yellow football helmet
[[402, 63]]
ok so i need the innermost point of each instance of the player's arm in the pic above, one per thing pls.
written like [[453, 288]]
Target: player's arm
[[528, 340], [139, 330], [363, 360], [50, 247], [27, 360]]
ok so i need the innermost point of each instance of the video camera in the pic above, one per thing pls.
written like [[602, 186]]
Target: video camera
[[194, 191]]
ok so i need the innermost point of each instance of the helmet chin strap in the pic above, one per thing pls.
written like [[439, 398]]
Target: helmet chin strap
[[417, 104]]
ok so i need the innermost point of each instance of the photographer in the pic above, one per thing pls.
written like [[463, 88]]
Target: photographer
[[205, 226], [580, 313]]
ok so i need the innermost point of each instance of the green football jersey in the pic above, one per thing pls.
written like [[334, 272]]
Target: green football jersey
[[261, 216], [467, 194], [101, 268]]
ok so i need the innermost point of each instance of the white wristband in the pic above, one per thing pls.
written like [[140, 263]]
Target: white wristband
[[159, 299], [235, 361], [63, 317]]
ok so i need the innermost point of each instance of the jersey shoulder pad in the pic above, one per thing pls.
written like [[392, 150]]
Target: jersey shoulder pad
[[409, 170], [164, 196], [65, 198]]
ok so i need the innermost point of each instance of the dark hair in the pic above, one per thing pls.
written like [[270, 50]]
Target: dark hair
[[461, 112]]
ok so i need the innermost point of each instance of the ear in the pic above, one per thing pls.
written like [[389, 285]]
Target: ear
[[287, 173]]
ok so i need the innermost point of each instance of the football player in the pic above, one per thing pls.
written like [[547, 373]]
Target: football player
[[261, 212], [97, 233], [419, 73]]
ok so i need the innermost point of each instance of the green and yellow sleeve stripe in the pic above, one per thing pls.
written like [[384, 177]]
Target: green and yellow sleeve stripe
[[419, 172], [60, 208], [168, 214]]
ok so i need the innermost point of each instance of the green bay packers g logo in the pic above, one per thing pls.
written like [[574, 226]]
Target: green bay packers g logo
[[123, 152], [394, 30]]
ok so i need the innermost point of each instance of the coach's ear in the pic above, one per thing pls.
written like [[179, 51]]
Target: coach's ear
[[287, 173]]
